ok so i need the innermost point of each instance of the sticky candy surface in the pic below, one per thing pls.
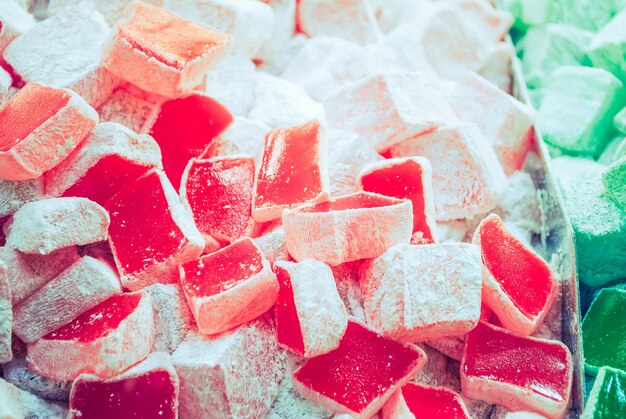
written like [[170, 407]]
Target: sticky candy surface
[[608, 395], [424, 402]]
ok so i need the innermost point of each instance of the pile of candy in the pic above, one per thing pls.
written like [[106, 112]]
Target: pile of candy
[[243, 208]]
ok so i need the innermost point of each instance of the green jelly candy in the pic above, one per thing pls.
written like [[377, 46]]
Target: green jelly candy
[[599, 225], [548, 47], [620, 121], [585, 14], [608, 48], [608, 155], [604, 331], [577, 110], [615, 182], [607, 399]]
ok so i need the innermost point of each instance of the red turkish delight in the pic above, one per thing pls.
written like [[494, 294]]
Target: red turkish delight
[[151, 233], [39, 127], [161, 52], [218, 192], [518, 285], [104, 340], [519, 373], [406, 178], [360, 375], [419, 401], [351, 227], [147, 390], [301, 326], [109, 159], [229, 287], [293, 171]]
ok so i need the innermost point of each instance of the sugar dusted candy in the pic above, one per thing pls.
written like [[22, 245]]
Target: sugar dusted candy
[[14, 194], [420, 292], [83, 285], [172, 317], [148, 389], [232, 82], [16, 404], [235, 374], [362, 365], [151, 237], [608, 47], [105, 340], [243, 136], [301, 326], [346, 228], [293, 171], [14, 21], [54, 223], [519, 373], [607, 396], [161, 52], [111, 157], [41, 125], [614, 182], [6, 316], [417, 401], [519, 286]]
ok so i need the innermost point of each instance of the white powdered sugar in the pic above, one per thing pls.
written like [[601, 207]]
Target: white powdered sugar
[[14, 194], [232, 83]]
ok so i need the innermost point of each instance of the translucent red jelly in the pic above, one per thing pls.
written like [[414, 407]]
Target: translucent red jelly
[[219, 193], [429, 402], [363, 368], [353, 201], [142, 229], [217, 272], [106, 178], [290, 171], [521, 274], [150, 395], [184, 128], [288, 330], [404, 181], [99, 321], [497, 355], [27, 110]]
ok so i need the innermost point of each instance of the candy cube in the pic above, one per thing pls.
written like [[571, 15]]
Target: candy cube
[[65, 51], [218, 193], [83, 285], [417, 401], [230, 375], [162, 53], [196, 118], [519, 373], [467, 178], [389, 107], [232, 82], [127, 109], [6, 315], [16, 403], [360, 375], [518, 285], [272, 245], [281, 36], [496, 66], [105, 340], [418, 293], [293, 171], [148, 389], [604, 332], [608, 47], [350, 227], [151, 237], [244, 136], [229, 287], [14, 21], [508, 125], [614, 180], [109, 159], [301, 326], [40, 126], [172, 317], [14, 194], [407, 178], [591, 97], [608, 395]]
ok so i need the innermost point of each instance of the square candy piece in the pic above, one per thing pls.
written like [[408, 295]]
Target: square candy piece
[[351, 227], [162, 53], [14, 194], [172, 317], [607, 399], [360, 375], [229, 287], [14, 21], [614, 180], [151, 233], [608, 48], [128, 109], [422, 292], [414, 401], [39, 127], [519, 373], [518, 285]]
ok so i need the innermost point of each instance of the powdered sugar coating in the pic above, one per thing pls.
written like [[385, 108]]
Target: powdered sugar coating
[[14, 194], [16, 403], [232, 83], [14, 21], [5, 83], [172, 317], [6, 315], [272, 245], [127, 109], [243, 136]]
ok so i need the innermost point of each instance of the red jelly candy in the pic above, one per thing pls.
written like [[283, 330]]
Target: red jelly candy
[[147, 390], [184, 128], [517, 372], [518, 285], [293, 171], [405, 178], [218, 193], [424, 402], [361, 374], [150, 232]]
